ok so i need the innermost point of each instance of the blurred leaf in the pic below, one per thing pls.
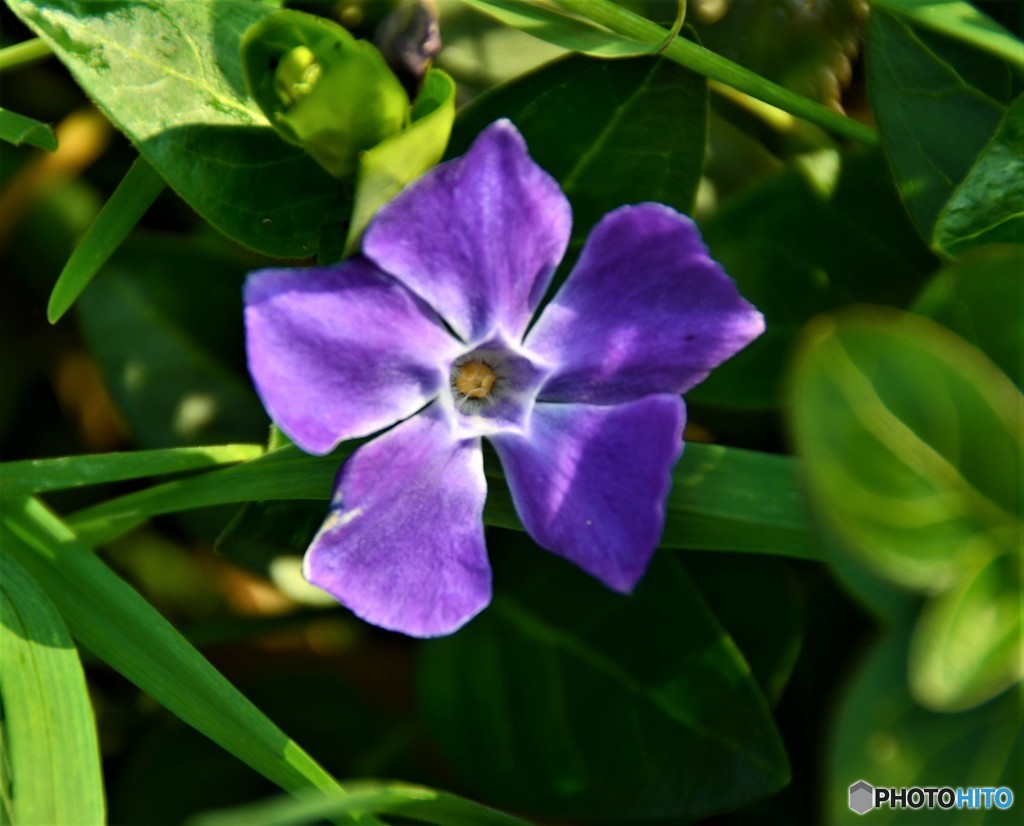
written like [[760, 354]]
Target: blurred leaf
[[967, 643], [883, 737], [110, 619], [38, 475], [938, 103], [979, 299], [912, 445], [49, 730], [18, 129], [413, 802], [826, 231], [572, 701], [988, 206], [181, 380], [962, 21], [264, 531], [169, 75], [584, 120], [133, 196]]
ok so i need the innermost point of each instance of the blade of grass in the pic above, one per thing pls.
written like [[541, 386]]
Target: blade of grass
[[38, 475], [24, 53], [116, 624], [50, 730], [133, 196], [19, 130]]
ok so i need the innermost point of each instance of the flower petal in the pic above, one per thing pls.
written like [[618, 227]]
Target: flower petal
[[404, 545], [341, 353], [589, 482], [645, 310], [479, 237]]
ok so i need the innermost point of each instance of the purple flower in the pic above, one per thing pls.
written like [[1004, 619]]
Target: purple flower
[[430, 328]]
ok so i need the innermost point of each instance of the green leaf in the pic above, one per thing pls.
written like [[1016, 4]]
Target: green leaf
[[883, 736], [967, 643], [48, 726], [19, 130], [401, 799], [110, 619], [912, 443], [169, 75], [826, 231], [988, 206], [978, 298], [938, 103], [582, 119], [182, 380], [133, 196], [572, 701], [38, 475], [962, 21]]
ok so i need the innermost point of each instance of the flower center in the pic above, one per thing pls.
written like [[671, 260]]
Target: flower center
[[475, 379]]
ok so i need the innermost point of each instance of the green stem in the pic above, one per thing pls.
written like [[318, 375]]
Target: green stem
[[693, 56], [21, 54]]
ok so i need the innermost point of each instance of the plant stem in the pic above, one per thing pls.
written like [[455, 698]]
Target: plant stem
[[21, 54]]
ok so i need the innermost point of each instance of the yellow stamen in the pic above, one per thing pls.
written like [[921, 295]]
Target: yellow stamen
[[475, 380]]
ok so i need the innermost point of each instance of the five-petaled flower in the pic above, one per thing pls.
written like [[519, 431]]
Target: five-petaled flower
[[430, 328]]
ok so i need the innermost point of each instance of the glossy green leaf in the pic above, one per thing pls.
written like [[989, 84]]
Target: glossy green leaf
[[582, 119], [21, 130], [881, 735], [979, 299], [577, 703], [826, 231], [938, 103], [416, 803], [48, 726], [967, 643], [988, 206], [169, 75], [912, 443], [322, 89], [38, 475], [961, 20], [116, 624], [182, 381], [133, 196]]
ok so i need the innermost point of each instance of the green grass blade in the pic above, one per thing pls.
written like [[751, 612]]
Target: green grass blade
[[38, 475], [21, 54], [413, 802], [109, 618], [49, 727], [18, 129], [133, 196]]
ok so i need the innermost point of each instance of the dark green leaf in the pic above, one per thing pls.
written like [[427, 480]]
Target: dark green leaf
[[49, 731], [169, 75], [575, 702], [18, 129]]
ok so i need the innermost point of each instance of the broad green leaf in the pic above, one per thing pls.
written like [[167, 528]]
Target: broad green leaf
[[967, 643], [181, 378], [721, 499], [110, 619], [19, 130], [912, 445], [169, 75], [882, 736], [988, 206], [979, 299], [938, 103], [568, 700], [960, 20], [416, 803], [826, 231], [582, 120], [38, 475], [133, 196], [48, 726]]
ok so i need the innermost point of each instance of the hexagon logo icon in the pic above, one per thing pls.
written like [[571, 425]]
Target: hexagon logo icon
[[862, 797]]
